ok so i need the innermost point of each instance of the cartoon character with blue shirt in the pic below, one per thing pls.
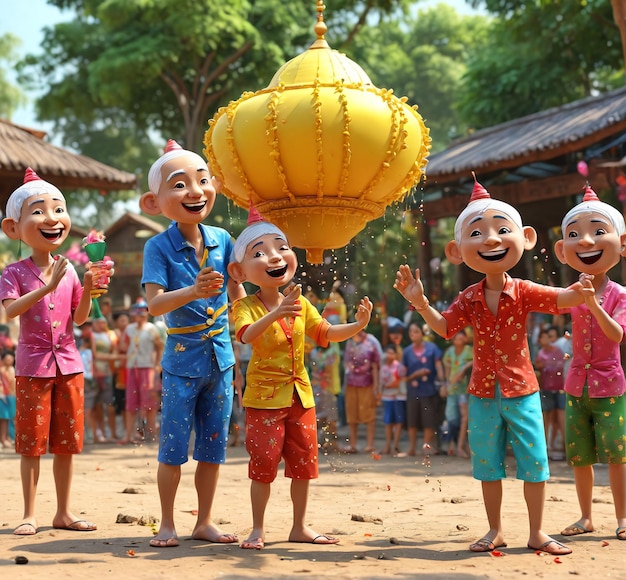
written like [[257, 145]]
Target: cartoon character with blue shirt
[[186, 282]]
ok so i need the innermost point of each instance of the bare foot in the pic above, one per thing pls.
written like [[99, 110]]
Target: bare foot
[[166, 538], [211, 533], [253, 544], [255, 541], [462, 453], [308, 536], [168, 543]]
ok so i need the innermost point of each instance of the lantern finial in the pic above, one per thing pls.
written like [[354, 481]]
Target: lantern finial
[[320, 28]]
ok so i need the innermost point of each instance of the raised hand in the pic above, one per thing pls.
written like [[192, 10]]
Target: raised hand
[[290, 307], [58, 271], [364, 311], [208, 283], [409, 286]]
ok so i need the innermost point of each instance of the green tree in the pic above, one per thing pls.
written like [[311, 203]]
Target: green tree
[[168, 64], [540, 54], [11, 97], [423, 56]]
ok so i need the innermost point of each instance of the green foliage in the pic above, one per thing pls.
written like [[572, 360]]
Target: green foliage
[[538, 55], [11, 97]]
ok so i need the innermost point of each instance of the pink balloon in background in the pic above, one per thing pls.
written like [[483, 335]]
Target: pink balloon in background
[[582, 168]]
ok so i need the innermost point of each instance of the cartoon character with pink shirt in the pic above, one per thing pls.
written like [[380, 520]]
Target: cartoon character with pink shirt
[[504, 405], [45, 292], [594, 236]]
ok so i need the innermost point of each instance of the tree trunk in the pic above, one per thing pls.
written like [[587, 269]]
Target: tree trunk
[[619, 15]]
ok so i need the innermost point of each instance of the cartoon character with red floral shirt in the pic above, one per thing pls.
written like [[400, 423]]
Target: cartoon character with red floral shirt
[[504, 400]]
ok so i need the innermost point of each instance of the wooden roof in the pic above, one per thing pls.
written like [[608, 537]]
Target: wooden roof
[[532, 159], [21, 147], [532, 139]]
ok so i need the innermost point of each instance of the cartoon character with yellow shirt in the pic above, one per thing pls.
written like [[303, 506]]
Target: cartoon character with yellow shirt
[[279, 400]]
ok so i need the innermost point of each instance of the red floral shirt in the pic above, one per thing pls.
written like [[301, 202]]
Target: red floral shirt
[[501, 353]]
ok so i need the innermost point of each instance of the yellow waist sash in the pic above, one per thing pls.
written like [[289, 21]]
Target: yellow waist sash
[[213, 315]]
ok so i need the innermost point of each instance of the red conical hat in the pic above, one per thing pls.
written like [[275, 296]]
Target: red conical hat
[[30, 175], [590, 194], [479, 192], [253, 215], [171, 146]]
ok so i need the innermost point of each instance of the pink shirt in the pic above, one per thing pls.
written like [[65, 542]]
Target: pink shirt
[[596, 359], [501, 353], [46, 340]]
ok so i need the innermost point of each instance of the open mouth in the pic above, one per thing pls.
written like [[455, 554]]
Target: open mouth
[[589, 257], [195, 207], [278, 272], [52, 235], [493, 256]]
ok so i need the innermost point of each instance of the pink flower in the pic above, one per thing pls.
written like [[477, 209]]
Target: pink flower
[[93, 237]]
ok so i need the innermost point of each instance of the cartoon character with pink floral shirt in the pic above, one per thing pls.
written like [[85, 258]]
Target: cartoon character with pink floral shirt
[[594, 236], [45, 292], [504, 402]]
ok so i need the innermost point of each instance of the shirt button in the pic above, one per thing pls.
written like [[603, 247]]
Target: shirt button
[[210, 322], [210, 311], [57, 346], [587, 366]]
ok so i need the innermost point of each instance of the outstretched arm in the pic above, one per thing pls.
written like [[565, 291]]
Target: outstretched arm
[[341, 332], [413, 291], [576, 294]]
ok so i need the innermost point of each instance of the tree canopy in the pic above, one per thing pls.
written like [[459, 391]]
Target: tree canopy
[[539, 55], [11, 97]]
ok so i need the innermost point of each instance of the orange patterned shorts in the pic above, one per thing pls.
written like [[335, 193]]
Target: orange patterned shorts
[[290, 433], [49, 413]]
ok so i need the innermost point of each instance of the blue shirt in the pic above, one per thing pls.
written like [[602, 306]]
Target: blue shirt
[[421, 386], [170, 261]]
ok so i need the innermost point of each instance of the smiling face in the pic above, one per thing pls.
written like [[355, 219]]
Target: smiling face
[[590, 244], [268, 262], [187, 191], [44, 223], [492, 243]]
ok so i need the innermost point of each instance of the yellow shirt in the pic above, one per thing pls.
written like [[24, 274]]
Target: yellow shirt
[[277, 363]]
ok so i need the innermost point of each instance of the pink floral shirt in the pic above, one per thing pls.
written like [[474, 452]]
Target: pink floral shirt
[[46, 340], [501, 353], [596, 359]]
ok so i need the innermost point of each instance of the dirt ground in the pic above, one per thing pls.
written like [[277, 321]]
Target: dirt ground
[[419, 516]]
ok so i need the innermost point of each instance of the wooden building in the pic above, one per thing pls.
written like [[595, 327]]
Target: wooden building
[[125, 241], [533, 164], [21, 147]]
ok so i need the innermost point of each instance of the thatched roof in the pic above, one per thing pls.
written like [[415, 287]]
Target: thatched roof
[[21, 147], [534, 139]]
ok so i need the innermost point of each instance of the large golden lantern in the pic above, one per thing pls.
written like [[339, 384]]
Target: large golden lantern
[[321, 151]]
